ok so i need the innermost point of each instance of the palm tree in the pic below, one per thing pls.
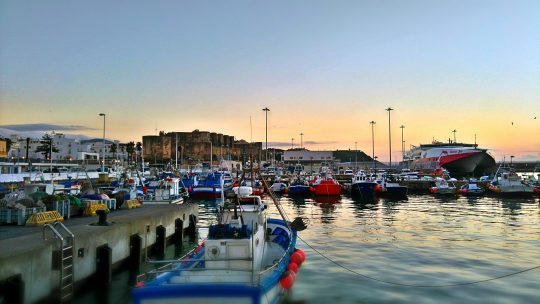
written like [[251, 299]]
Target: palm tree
[[130, 148], [113, 150]]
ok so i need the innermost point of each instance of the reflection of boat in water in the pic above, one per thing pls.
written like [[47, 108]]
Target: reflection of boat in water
[[458, 158], [245, 259], [507, 182], [327, 199]]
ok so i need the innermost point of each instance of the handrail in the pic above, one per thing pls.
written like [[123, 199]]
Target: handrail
[[279, 262], [51, 227], [198, 260], [65, 228]]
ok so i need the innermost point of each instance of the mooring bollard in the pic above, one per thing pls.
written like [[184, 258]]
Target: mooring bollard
[[102, 220]]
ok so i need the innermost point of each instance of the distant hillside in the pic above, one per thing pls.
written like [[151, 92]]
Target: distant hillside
[[349, 155]]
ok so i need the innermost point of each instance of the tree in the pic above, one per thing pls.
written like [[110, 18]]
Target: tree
[[45, 147], [113, 150], [139, 150], [130, 148]]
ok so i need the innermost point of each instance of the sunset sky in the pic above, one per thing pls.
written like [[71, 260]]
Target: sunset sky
[[324, 68]]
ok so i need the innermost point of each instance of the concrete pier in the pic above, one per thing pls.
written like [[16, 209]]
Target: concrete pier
[[29, 271]]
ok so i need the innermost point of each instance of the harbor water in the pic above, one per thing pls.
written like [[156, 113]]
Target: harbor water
[[420, 250]]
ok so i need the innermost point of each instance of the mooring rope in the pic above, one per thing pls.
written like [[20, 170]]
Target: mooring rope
[[414, 285]]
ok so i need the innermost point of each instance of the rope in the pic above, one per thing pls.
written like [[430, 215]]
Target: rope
[[413, 285]]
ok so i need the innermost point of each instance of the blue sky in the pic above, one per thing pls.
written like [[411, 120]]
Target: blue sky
[[325, 68]]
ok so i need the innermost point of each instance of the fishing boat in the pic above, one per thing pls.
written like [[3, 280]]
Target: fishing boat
[[279, 188], [256, 186], [169, 190], [246, 258], [443, 187], [363, 186], [507, 182], [299, 187], [471, 189], [326, 186], [212, 185], [389, 187]]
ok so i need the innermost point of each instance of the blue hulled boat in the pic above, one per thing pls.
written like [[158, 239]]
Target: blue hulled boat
[[363, 186], [299, 187], [245, 259], [212, 185]]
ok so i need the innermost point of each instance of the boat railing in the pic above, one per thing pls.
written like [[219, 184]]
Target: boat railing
[[279, 261]]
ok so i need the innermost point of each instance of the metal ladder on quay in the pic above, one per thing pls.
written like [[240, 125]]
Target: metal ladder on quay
[[65, 258]]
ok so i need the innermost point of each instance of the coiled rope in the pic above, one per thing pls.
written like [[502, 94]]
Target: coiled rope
[[414, 285]]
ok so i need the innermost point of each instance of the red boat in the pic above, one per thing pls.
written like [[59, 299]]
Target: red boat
[[326, 187]]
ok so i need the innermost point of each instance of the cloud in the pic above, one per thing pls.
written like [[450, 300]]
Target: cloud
[[44, 127], [6, 133], [277, 144]]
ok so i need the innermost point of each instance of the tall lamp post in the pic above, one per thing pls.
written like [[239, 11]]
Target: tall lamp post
[[402, 144], [301, 140], [266, 110], [511, 158], [355, 156], [103, 160], [372, 142], [389, 109]]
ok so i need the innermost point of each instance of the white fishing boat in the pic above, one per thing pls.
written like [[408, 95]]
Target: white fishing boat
[[166, 191], [508, 182], [246, 258]]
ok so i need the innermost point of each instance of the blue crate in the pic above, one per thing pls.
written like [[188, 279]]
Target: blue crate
[[18, 216], [62, 207]]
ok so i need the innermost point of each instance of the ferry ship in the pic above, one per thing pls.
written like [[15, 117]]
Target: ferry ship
[[458, 159]]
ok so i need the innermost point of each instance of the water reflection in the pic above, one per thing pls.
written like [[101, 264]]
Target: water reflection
[[422, 240]]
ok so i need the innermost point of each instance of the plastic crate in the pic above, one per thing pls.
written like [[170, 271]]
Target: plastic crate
[[18, 216], [62, 207], [110, 203]]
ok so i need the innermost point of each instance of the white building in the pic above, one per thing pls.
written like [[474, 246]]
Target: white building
[[303, 156], [68, 148]]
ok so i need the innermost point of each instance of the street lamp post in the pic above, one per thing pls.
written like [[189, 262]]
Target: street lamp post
[[372, 142], [176, 151], [511, 158], [266, 110], [103, 160], [402, 144], [301, 140], [211, 154], [355, 156], [389, 109]]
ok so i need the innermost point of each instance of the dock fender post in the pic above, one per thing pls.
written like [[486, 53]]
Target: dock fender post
[[192, 225], [135, 257], [12, 290], [104, 264], [135, 250], [178, 231], [161, 240]]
